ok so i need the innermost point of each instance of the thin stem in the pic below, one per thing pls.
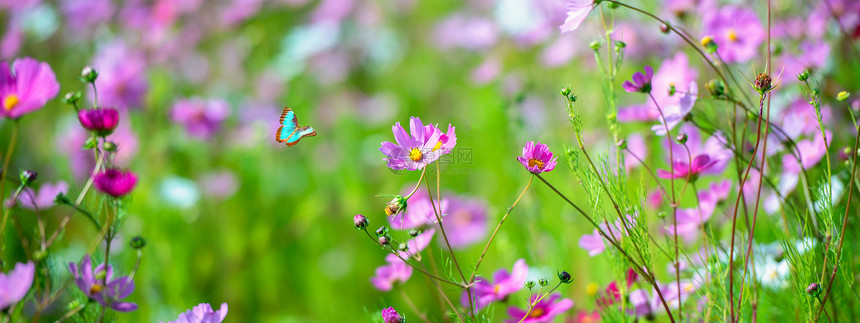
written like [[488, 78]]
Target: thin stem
[[99, 161], [3, 175], [534, 303], [493, 236], [411, 265], [412, 306]]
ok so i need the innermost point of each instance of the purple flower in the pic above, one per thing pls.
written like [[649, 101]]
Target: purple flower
[[92, 283], [710, 158], [44, 198], [641, 82], [423, 147], [100, 120], [537, 158], [465, 31], [122, 76], [485, 292], [115, 182], [544, 311], [87, 14], [15, 284], [465, 221], [395, 271], [577, 10], [26, 87], [389, 315], [201, 118], [203, 313], [737, 32]]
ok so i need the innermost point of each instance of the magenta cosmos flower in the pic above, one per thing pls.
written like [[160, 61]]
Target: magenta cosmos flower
[[15, 284], [737, 32], [115, 182], [203, 313], [544, 311], [26, 87], [708, 158], [537, 158], [201, 118], [422, 147], [102, 121], [389, 315], [576, 10], [485, 292], [641, 82], [92, 284]]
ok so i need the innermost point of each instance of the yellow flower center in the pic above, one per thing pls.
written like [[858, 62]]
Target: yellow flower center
[[10, 102], [415, 154], [97, 288], [534, 162], [732, 35], [496, 289], [537, 312]]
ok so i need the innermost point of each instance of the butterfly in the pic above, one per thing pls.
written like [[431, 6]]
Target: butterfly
[[289, 132]]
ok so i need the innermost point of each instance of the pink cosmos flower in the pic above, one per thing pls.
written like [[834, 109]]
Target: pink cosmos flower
[[641, 82], [544, 311], [737, 32], [710, 158], [424, 146], [15, 284], [485, 292], [690, 220], [389, 315], [26, 87], [115, 182], [100, 120], [203, 313], [595, 244], [201, 118], [395, 271], [44, 198], [636, 145], [465, 221], [122, 79], [676, 111], [577, 10], [537, 158]]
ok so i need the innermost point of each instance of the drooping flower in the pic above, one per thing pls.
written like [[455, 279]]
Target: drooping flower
[[504, 283], [15, 284], [424, 146], [203, 313], [115, 182], [26, 87], [544, 311], [577, 10], [92, 283], [393, 272], [389, 315], [201, 118], [102, 121], [737, 32], [641, 82], [44, 198], [537, 158]]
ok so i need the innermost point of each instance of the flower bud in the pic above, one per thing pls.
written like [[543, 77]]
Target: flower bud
[[543, 282], [665, 28], [137, 242], [619, 45], [803, 76], [762, 83], [413, 233], [571, 98], [62, 198], [397, 204], [384, 240], [102, 121], [28, 177], [565, 91], [91, 143], [842, 96], [89, 74], [110, 146], [383, 230], [530, 284], [403, 247], [595, 45], [39, 255], [716, 88], [612, 5], [672, 90], [621, 144], [360, 221], [72, 97], [682, 138], [565, 277], [709, 44], [813, 289]]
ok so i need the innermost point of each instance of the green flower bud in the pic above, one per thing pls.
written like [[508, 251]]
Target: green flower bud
[[89, 74]]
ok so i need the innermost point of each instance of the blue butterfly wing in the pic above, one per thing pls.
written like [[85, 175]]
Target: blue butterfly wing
[[289, 132], [299, 134]]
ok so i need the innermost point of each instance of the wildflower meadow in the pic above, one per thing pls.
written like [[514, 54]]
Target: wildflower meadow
[[397, 161]]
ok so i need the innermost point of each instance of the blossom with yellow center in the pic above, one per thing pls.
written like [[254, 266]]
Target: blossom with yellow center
[[415, 154], [10, 102], [97, 288], [537, 312], [732, 35], [533, 162]]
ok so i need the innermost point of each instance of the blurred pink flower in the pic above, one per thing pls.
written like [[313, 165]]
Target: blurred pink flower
[[465, 220], [544, 311], [737, 32], [577, 10], [122, 82], [87, 15], [396, 271], [26, 87], [201, 118], [504, 283], [15, 284], [708, 158], [44, 198]]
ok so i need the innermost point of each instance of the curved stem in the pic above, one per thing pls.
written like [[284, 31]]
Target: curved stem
[[493, 236], [3, 175]]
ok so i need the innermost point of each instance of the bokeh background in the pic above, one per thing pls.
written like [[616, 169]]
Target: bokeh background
[[232, 216]]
